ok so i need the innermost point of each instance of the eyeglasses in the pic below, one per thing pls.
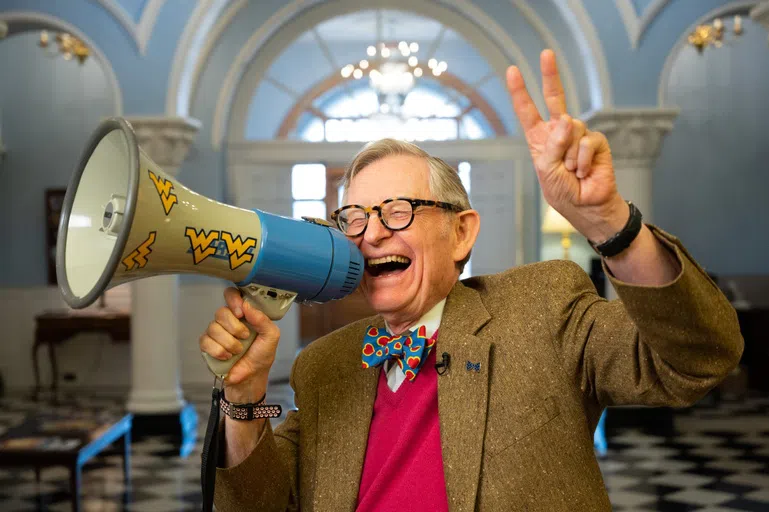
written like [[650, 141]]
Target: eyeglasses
[[395, 214]]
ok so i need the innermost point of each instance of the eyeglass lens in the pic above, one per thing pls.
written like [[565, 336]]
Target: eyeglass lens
[[395, 214]]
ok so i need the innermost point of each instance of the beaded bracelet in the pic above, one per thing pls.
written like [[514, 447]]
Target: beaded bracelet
[[250, 411]]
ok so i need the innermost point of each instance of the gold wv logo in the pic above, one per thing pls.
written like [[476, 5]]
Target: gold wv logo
[[202, 243], [138, 257], [237, 249], [164, 187]]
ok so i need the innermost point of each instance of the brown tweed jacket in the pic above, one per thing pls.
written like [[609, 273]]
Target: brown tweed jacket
[[518, 434]]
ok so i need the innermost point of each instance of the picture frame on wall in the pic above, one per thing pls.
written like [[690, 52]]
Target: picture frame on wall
[[54, 201]]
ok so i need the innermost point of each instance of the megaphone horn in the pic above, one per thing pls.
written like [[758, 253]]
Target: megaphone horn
[[124, 219]]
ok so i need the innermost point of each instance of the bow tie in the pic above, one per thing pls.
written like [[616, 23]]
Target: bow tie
[[409, 350]]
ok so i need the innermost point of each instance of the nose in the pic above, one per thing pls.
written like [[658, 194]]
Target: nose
[[375, 230]]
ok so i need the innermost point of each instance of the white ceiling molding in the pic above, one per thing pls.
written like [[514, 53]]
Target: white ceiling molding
[[635, 25], [564, 68], [141, 31], [760, 14], [189, 47], [47, 21], [339, 153], [584, 32], [205, 30], [458, 16], [682, 41]]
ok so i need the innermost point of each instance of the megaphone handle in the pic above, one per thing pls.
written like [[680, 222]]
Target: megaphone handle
[[272, 302]]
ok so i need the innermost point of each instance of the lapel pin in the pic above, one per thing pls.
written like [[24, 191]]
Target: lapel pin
[[473, 366]]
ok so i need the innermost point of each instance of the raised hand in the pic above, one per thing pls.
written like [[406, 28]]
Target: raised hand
[[573, 164]]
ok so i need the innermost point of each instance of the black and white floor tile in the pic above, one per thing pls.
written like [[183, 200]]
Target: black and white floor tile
[[718, 461]]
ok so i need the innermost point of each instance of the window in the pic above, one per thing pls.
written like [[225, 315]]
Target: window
[[308, 190], [427, 113]]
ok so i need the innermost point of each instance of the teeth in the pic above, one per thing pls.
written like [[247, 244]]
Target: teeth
[[388, 259]]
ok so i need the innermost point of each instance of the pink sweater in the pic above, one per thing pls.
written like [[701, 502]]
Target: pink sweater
[[403, 469]]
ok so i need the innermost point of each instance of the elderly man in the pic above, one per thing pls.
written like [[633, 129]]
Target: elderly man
[[535, 354]]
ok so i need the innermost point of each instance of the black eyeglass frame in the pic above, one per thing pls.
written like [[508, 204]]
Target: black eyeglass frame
[[415, 203]]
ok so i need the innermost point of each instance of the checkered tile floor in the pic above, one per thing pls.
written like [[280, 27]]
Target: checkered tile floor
[[717, 461]]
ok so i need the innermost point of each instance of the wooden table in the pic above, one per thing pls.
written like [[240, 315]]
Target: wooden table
[[57, 326], [46, 440]]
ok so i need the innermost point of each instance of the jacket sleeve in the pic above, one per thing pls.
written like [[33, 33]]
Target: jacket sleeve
[[655, 345], [266, 480]]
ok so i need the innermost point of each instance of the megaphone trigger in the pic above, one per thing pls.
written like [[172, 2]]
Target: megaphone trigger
[[272, 302]]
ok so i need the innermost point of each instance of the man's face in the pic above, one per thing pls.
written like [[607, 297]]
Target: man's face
[[404, 292]]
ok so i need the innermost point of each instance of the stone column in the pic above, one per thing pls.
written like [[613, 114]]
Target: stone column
[[635, 136], [267, 187], [156, 398]]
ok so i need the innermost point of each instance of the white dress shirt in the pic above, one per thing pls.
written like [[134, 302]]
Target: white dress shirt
[[431, 320]]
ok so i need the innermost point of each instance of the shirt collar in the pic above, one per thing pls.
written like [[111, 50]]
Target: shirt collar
[[431, 320]]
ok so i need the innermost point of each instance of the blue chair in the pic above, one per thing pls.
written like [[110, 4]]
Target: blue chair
[[599, 436]]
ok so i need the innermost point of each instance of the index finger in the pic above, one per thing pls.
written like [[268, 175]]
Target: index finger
[[523, 105], [555, 99], [234, 301]]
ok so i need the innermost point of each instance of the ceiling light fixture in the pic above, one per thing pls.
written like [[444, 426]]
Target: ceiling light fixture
[[392, 69]]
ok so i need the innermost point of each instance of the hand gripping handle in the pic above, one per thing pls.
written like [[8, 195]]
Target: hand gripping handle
[[272, 302]]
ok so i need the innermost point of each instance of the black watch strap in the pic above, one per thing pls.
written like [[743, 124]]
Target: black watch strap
[[622, 239]]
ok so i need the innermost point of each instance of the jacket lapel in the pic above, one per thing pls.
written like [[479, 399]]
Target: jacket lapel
[[344, 415], [463, 394]]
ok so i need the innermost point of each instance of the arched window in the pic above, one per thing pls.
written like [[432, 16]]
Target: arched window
[[427, 113]]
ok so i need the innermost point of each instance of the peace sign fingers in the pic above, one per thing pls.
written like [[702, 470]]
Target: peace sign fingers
[[524, 106], [555, 98]]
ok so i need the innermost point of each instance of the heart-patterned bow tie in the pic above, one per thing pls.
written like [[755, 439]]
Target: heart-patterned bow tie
[[409, 350]]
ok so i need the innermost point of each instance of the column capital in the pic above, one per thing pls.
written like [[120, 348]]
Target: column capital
[[165, 139], [760, 14], [635, 134]]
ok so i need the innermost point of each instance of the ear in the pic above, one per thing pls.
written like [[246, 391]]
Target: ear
[[466, 227]]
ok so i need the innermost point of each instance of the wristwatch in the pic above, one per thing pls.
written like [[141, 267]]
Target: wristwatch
[[622, 239]]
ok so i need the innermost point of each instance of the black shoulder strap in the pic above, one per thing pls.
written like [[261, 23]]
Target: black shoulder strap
[[210, 454]]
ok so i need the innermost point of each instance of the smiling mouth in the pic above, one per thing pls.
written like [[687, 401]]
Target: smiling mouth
[[389, 265]]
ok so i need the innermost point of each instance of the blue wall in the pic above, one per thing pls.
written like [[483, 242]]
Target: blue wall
[[48, 107], [709, 184]]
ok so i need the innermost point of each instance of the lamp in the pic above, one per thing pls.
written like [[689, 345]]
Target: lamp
[[555, 223]]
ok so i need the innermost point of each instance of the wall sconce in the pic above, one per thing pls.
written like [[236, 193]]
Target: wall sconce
[[66, 44], [714, 34]]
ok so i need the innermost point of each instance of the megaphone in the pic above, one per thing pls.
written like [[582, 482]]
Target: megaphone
[[124, 219]]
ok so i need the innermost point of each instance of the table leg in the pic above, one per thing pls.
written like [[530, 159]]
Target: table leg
[[74, 486], [36, 368], [54, 373], [127, 458]]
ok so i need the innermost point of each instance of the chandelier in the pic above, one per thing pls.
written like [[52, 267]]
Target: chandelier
[[67, 45], [393, 69], [714, 34]]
